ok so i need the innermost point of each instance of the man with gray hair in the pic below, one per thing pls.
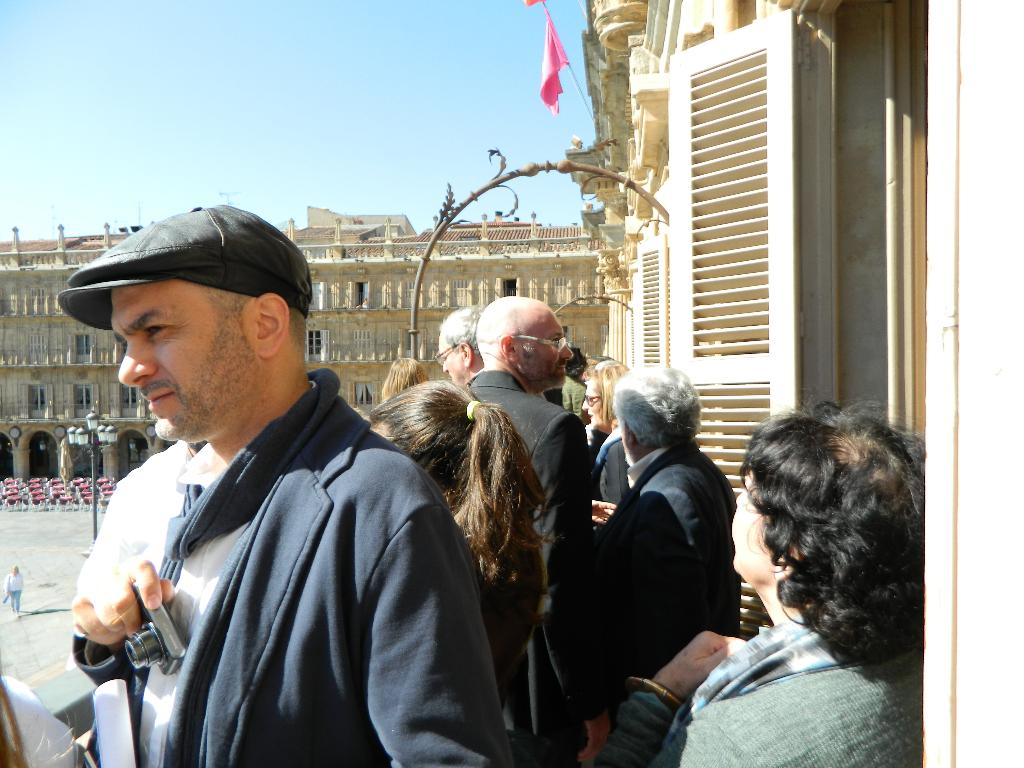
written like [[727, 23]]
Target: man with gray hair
[[457, 350], [664, 558]]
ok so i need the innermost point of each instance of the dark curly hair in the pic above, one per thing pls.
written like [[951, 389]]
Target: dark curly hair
[[842, 494]]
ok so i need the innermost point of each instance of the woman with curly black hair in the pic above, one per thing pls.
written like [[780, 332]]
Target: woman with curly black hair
[[830, 532], [473, 452]]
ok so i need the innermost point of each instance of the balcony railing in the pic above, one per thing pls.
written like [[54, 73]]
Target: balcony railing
[[24, 412], [10, 357]]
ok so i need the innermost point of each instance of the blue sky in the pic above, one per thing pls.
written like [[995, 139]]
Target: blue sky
[[368, 107]]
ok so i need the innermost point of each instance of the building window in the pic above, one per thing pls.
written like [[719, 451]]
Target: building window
[[83, 348], [509, 287], [83, 399], [37, 301], [364, 394], [461, 295], [314, 345], [317, 301], [129, 398], [560, 290], [604, 340], [36, 401], [361, 294], [410, 287], [36, 348], [361, 340]]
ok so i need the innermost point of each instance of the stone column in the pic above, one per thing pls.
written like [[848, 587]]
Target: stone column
[[110, 461], [21, 459], [616, 285]]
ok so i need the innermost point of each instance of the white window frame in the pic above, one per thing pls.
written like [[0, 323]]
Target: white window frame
[[316, 344], [83, 347], [319, 293], [38, 401]]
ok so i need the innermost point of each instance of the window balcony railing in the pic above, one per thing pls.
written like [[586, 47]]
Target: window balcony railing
[[14, 357]]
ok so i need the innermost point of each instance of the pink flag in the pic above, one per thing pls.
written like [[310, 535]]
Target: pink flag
[[554, 60]]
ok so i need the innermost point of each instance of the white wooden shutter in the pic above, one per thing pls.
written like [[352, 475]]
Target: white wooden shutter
[[732, 273], [651, 294]]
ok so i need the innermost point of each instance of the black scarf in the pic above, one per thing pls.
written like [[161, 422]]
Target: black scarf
[[235, 499]]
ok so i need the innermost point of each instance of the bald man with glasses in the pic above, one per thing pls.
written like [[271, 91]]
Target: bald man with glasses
[[554, 694]]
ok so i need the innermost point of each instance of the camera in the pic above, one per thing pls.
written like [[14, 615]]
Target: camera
[[157, 641]]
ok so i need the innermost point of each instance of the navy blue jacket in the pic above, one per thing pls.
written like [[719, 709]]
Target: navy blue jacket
[[357, 637]]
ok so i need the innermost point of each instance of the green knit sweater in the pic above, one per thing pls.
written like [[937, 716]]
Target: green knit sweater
[[858, 716]]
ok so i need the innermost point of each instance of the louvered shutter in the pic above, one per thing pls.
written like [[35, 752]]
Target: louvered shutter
[[733, 273], [650, 291]]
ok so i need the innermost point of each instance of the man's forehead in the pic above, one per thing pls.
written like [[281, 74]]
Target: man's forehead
[[136, 304], [542, 324]]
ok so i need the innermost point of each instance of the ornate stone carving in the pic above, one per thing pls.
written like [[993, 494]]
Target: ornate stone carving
[[616, 20], [609, 266]]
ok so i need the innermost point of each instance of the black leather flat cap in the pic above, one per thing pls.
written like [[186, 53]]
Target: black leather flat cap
[[221, 247]]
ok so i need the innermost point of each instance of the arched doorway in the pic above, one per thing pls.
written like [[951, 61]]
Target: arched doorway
[[132, 451], [6, 456], [42, 455]]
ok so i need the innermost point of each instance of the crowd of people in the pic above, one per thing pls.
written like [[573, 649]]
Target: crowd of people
[[514, 567]]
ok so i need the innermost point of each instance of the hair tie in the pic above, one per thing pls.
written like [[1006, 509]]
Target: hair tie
[[470, 408]]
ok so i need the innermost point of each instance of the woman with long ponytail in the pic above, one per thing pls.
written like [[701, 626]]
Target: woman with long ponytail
[[473, 452]]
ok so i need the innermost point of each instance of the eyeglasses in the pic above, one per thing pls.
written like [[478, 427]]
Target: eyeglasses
[[443, 354], [562, 342], [591, 399]]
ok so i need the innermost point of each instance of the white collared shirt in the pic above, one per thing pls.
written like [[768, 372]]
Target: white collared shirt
[[136, 526], [634, 471]]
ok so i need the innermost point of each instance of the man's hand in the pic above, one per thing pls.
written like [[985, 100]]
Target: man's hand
[[691, 666], [597, 735], [109, 612], [600, 511]]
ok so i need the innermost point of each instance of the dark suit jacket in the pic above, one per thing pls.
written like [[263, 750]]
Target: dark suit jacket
[[613, 484], [562, 682], [664, 566]]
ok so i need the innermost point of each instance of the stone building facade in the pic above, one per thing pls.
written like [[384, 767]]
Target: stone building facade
[[53, 370]]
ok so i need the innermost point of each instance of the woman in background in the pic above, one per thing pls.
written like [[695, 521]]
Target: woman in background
[[830, 532], [608, 482], [404, 373], [475, 455]]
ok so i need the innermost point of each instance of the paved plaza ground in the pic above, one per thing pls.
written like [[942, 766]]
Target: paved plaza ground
[[49, 548]]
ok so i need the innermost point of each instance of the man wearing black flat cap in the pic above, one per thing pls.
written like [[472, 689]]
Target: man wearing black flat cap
[[326, 597]]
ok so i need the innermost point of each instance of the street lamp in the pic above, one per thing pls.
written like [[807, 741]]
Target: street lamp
[[95, 436]]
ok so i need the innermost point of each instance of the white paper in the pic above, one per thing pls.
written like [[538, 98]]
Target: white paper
[[114, 725]]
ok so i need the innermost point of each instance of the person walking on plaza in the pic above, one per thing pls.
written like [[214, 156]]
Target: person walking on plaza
[[664, 559], [457, 350], [14, 583], [559, 691], [327, 597]]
